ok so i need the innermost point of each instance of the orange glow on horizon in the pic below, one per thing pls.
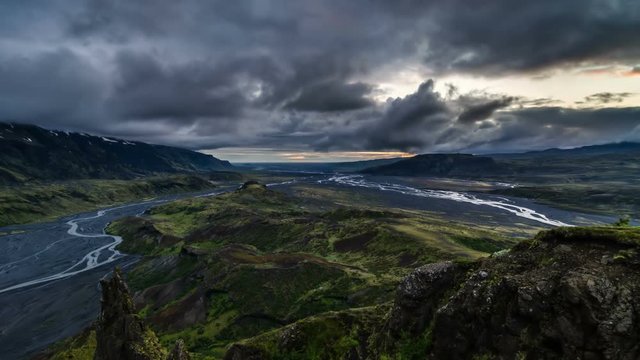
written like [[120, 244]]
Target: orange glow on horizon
[[241, 154], [352, 155]]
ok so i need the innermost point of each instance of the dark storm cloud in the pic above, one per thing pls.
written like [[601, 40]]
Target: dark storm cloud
[[199, 73], [408, 121], [537, 101], [484, 110], [427, 120], [539, 128], [607, 97], [55, 86], [146, 89], [315, 83], [332, 96], [496, 36]]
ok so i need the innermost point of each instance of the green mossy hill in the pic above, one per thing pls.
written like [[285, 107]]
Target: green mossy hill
[[39, 202], [252, 185], [147, 238], [220, 269], [331, 335], [568, 293]]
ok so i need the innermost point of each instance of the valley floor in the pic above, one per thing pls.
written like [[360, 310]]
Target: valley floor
[[216, 270]]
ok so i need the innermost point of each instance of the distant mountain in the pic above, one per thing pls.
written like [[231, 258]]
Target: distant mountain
[[439, 165], [355, 166], [348, 166], [619, 161], [621, 148], [29, 152]]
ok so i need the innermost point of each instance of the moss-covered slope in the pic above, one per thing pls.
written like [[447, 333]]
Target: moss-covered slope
[[225, 268], [569, 293]]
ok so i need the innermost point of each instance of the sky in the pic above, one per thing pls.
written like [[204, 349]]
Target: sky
[[326, 80]]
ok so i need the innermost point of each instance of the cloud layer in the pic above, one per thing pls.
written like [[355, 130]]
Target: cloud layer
[[269, 73]]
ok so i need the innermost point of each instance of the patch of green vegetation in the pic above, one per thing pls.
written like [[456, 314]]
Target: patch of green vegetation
[[40, 202], [80, 347], [141, 237], [486, 245], [181, 218], [329, 336], [160, 271], [623, 221], [202, 338], [604, 234], [625, 254], [150, 347], [413, 348]]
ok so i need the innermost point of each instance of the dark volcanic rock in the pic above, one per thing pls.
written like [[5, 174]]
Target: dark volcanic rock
[[179, 352], [242, 352], [418, 297], [120, 333], [546, 299]]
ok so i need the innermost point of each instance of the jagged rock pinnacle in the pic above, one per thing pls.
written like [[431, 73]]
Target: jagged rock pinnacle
[[179, 352], [121, 334]]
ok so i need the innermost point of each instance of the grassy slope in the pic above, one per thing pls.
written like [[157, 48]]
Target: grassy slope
[[253, 260], [331, 335], [79, 347], [336, 334], [39, 202]]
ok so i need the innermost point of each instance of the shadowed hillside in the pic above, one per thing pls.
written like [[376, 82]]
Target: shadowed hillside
[[30, 153], [465, 165]]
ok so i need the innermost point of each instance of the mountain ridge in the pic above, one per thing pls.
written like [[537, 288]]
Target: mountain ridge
[[590, 150], [438, 165], [31, 153]]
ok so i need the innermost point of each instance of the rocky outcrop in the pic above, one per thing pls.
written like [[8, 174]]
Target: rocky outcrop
[[557, 297], [120, 333], [179, 352], [418, 297]]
